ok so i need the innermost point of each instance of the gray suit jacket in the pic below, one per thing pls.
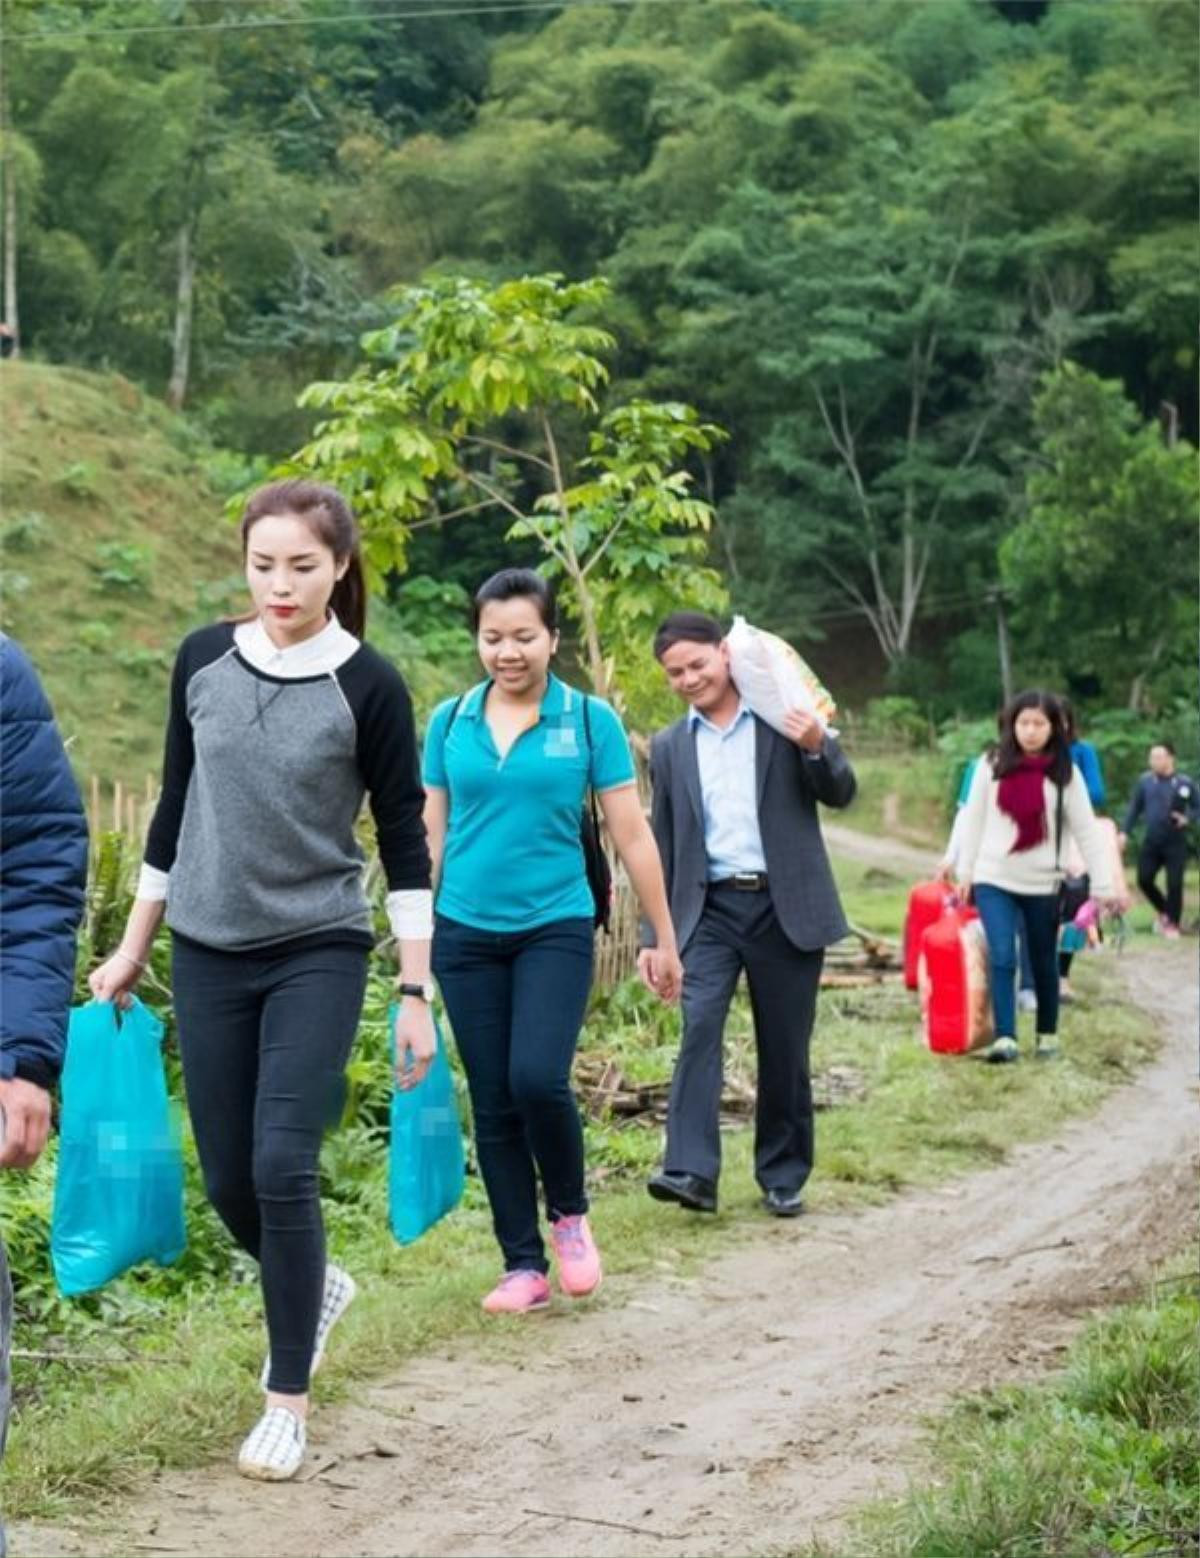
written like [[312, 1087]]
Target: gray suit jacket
[[789, 786]]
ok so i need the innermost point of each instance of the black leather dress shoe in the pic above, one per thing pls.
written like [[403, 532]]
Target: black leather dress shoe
[[698, 1195], [783, 1203]]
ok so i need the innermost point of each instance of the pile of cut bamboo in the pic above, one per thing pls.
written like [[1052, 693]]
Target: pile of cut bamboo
[[606, 1093]]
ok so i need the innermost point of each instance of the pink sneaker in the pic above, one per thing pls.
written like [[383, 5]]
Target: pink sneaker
[[1171, 931], [577, 1256], [518, 1293]]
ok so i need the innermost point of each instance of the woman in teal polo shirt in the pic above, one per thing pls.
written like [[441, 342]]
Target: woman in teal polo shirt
[[507, 768]]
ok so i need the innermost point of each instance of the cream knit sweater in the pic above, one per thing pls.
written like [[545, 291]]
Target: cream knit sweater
[[988, 835]]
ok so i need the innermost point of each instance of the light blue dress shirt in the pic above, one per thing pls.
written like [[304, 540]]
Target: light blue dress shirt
[[729, 793]]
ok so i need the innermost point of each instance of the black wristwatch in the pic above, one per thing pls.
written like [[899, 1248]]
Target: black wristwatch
[[426, 992]]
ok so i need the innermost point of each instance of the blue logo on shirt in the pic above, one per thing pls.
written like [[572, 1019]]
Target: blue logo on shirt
[[561, 740]]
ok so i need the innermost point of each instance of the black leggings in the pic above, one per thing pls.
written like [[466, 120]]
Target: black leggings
[[264, 1038]]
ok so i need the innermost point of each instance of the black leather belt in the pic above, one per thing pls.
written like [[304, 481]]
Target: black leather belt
[[744, 881]]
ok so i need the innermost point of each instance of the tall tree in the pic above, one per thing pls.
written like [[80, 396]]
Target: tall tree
[[1102, 568], [487, 399]]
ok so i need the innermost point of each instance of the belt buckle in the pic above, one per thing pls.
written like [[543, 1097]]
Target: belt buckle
[[746, 881]]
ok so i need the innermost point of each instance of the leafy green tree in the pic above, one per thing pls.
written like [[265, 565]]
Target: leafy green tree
[[1102, 569], [484, 398]]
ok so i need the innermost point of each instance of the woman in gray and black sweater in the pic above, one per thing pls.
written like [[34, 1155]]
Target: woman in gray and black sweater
[[278, 726]]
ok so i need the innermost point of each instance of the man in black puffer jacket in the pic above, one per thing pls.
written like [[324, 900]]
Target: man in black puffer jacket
[[43, 872]]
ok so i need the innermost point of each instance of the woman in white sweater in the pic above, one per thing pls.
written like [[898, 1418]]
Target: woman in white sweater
[[1026, 805]]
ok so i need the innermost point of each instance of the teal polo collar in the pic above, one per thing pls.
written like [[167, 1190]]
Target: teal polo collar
[[557, 699]]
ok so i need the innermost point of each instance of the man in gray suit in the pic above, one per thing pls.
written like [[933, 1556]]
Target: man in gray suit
[[734, 812]]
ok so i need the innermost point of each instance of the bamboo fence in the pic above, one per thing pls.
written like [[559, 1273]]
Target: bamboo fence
[[122, 808]]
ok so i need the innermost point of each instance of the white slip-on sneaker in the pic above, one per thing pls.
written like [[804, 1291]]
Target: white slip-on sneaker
[[273, 1450], [340, 1289]]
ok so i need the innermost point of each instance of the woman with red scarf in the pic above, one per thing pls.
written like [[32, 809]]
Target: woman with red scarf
[[1027, 803]]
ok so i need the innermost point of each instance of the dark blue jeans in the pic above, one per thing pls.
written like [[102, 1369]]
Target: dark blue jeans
[[516, 1002], [1036, 917], [264, 1038]]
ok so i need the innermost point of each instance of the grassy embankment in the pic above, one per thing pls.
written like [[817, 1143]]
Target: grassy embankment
[[114, 545], [1099, 1460]]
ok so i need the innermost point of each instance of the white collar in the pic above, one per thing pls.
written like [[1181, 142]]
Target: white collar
[[696, 718], [316, 656]]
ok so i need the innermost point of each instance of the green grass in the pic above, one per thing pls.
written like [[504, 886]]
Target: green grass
[[114, 546], [906, 795], [1100, 1460], [874, 898]]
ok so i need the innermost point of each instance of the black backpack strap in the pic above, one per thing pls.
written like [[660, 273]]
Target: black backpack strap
[[587, 741], [449, 727]]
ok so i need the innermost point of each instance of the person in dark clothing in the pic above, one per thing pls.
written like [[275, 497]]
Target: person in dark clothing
[[1168, 803], [43, 871]]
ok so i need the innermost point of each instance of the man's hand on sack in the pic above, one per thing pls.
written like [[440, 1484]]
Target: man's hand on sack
[[804, 729]]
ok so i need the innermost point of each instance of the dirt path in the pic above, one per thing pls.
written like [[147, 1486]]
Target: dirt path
[[888, 854], [749, 1408]]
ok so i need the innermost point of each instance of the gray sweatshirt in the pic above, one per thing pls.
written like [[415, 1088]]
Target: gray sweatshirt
[[263, 780]]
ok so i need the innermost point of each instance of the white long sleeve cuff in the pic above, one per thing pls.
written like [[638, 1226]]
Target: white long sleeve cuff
[[151, 884], [410, 914]]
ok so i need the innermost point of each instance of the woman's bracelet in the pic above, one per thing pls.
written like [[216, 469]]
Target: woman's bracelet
[[129, 958]]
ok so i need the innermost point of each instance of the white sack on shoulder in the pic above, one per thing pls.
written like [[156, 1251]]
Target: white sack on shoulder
[[772, 678]]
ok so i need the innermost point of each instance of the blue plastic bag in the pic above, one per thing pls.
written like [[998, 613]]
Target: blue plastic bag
[[118, 1196], [425, 1162]]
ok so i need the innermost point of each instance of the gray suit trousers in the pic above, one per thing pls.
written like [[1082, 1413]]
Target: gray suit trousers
[[739, 931]]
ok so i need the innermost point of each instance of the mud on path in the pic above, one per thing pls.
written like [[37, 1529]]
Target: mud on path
[[752, 1406]]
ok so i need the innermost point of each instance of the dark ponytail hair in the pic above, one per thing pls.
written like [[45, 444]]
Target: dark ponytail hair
[[511, 583], [1009, 754], [331, 520]]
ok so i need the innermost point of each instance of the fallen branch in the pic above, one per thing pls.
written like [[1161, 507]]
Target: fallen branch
[[1034, 1249], [615, 1525], [82, 1360]]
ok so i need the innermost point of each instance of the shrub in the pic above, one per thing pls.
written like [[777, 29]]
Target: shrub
[[123, 565]]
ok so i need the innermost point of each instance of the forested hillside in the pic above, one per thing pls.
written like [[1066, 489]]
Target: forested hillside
[[930, 265], [113, 546]]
